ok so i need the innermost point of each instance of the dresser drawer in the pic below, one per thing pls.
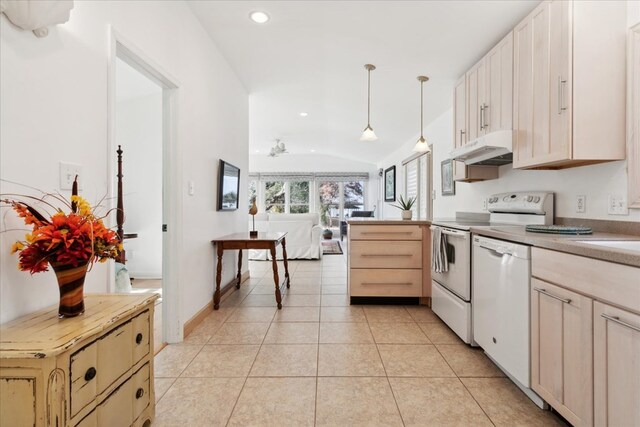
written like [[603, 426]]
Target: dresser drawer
[[83, 371], [392, 254], [141, 390], [115, 352], [385, 282], [385, 232], [141, 334]]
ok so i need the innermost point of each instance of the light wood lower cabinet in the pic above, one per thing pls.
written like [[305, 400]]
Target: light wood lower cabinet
[[389, 260], [561, 350], [585, 338], [616, 343], [91, 370]]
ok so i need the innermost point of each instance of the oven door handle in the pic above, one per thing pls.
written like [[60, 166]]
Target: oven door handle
[[460, 235]]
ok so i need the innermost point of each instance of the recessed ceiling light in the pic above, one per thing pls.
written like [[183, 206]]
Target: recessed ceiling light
[[304, 114], [313, 151], [257, 151], [259, 17]]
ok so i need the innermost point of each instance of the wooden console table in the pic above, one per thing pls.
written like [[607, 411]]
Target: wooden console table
[[240, 241]]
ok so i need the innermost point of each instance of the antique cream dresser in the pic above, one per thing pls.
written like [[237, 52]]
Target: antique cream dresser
[[389, 258], [91, 370]]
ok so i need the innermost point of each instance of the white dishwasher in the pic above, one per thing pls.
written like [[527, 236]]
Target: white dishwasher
[[500, 299]]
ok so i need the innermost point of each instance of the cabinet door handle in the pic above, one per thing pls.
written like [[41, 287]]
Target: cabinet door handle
[[138, 338], [90, 374], [386, 283], [481, 117], [561, 84], [617, 320], [484, 116], [139, 393], [461, 133], [386, 255], [387, 232], [549, 294]]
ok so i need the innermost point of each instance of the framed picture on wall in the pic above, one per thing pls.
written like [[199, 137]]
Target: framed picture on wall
[[448, 184], [390, 184], [228, 186]]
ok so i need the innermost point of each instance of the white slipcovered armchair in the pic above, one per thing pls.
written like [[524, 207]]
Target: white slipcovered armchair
[[303, 235]]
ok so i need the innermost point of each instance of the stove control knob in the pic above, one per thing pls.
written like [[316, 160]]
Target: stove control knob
[[536, 199], [529, 199]]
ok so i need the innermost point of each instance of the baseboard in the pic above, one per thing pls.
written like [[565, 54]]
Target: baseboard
[[191, 324]]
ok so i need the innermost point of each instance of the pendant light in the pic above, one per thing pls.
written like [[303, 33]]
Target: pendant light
[[368, 134], [422, 146]]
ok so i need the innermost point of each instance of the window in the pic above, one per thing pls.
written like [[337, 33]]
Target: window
[[298, 196], [286, 197], [329, 197], [338, 200], [417, 185], [353, 197], [274, 197]]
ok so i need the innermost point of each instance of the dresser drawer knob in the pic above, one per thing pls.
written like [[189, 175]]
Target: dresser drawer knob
[[90, 374], [138, 338], [139, 393]]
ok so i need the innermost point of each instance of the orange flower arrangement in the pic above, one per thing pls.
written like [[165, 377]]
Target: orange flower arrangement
[[74, 238]]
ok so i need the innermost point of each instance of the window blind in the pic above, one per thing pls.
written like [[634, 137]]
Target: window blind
[[306, 176], [411, 184]]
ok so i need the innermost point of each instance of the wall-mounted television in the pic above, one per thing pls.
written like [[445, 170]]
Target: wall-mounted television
[[228, 186]]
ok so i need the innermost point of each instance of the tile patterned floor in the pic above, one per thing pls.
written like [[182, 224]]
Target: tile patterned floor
[[320, 361]]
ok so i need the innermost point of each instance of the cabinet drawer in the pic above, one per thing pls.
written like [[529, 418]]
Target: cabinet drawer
[[141, 333], [117, 409], [385, 232], [400, 283], [141, 390], [83, 371], [114, 355], [393, 254]]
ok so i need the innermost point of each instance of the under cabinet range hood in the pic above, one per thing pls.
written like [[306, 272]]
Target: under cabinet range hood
[[494, 149]]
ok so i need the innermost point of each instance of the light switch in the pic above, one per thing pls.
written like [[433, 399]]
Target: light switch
[[68, 172], [191, 188]]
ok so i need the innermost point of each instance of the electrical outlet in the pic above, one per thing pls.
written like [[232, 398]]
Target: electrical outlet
[[617, 205], [581, 204], [484, 204], [68, 172]]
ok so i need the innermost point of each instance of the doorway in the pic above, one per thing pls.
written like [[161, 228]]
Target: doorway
[[142, 101]]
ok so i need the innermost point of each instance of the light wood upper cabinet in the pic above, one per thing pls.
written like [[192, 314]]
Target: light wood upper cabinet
[[498, 104], [475, 100], [561, 350], [569, 85], [616, 343], [633, 118], [459, 113]]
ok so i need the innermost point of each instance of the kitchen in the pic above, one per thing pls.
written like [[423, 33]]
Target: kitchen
[[556, 307]]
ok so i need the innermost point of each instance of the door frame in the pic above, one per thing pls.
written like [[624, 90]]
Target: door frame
[[121, 47]]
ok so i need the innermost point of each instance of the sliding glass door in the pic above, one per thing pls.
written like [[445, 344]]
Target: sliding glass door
[[337, 200]]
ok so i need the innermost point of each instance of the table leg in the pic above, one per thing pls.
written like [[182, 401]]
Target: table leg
[[276, 278], [286, 264], [239, 277], [216, 294]]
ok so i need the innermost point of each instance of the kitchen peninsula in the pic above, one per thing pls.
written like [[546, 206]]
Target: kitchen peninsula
[[389, 258]]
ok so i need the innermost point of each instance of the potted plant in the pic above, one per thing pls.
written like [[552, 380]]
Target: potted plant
[[327, 234], [405, 206]]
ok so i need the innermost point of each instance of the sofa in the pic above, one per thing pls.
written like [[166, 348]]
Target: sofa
[[303, 235]]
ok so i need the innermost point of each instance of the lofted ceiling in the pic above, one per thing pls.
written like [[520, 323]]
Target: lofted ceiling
[[310, 58]]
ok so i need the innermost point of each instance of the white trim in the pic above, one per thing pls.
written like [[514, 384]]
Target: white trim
[[120, 47]]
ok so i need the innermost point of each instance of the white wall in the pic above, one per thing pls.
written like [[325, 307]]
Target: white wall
[[139, 131], [54, 107]]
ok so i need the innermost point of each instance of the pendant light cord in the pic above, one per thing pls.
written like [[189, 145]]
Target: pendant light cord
[[421, 111], [369, 97]]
